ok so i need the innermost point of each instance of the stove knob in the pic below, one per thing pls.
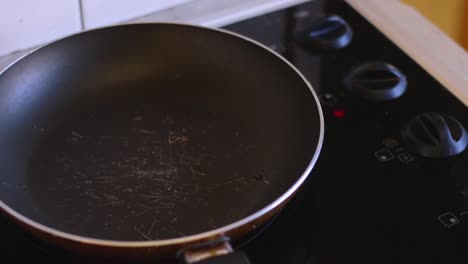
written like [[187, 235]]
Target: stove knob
[[435, 135], [329, 33], [376, 81]]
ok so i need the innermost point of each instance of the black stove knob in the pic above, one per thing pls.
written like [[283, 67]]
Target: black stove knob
[[435, 135], [328, 33], [376, 81]]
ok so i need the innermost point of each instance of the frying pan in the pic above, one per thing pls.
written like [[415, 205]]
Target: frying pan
[[146, 141]]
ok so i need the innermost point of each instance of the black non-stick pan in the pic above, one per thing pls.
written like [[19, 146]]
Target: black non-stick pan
[[151, 140]]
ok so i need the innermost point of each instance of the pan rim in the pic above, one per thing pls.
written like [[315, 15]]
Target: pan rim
[[198, 236]]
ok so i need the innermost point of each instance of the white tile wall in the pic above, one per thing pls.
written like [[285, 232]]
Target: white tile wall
[[98, 13], [27, 23]]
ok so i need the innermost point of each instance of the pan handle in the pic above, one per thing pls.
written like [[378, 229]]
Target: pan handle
[[231, 258], [217, 251]]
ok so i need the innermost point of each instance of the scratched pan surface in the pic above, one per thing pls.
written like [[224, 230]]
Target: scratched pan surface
[[150, 132]]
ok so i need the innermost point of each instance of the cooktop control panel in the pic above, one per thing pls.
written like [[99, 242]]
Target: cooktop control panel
[[391, 184]]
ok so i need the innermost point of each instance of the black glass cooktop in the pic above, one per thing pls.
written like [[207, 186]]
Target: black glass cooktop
[[391, 183]]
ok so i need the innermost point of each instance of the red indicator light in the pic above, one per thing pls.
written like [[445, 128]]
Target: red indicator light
[[338, 113]]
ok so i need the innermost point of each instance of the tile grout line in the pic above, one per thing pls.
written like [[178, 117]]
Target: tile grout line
[[80, 8]]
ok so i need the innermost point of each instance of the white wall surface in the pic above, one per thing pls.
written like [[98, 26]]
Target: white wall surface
[[26, 23], [98, 13]]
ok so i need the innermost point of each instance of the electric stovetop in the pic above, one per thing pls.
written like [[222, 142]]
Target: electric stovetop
[[391, 183]]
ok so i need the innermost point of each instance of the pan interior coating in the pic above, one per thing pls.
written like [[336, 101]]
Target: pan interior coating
[[149, 132]]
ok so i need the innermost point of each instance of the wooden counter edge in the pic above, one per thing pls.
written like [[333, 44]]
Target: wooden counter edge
[[426, 44]]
